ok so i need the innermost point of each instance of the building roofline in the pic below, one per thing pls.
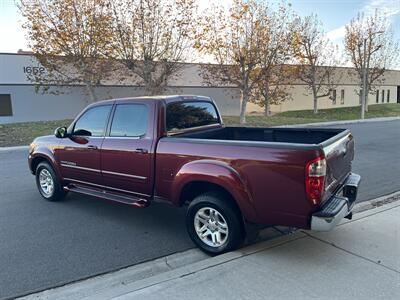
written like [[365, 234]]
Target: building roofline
[[200, 63], [19, 54]]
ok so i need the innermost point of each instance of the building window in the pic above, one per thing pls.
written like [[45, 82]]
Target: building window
[[5, 105], [333, 96], [383, 96], [388, 96], [377, 96], [342, 97]]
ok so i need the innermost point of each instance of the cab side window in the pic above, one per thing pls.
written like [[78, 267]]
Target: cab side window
[[93, 122], [130, 120]]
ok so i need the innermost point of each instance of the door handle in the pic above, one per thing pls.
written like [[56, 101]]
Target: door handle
[[141, 150], [92, 147]]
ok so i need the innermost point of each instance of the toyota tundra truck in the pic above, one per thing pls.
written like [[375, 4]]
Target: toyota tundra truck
[[176, 149]]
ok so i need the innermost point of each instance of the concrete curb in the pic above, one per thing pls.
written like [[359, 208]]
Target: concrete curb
[[179, 265], [98, 284], [383, 119], [15, 148], [197, 267], [377, 202]]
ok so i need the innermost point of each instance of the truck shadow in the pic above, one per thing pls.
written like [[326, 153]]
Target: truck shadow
[[157, 219], [157, 216]]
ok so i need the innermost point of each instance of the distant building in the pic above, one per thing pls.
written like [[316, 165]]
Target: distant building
[[346, 93], [19, 101]]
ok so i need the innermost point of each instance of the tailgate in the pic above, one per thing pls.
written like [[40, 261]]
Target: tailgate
[[339, 154]]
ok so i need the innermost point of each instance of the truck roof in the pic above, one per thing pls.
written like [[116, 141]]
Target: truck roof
[[165, 98]]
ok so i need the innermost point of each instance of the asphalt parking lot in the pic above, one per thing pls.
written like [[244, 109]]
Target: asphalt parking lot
[[44, 244]]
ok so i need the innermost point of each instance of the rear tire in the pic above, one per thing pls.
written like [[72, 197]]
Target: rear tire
[[214, 224], [48, 184]]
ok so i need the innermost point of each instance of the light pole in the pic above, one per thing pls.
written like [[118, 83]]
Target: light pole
[[364, 79]]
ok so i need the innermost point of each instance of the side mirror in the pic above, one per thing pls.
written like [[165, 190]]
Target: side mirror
[[61, 132]]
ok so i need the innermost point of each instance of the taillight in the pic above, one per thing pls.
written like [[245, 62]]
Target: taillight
[[315, 178]]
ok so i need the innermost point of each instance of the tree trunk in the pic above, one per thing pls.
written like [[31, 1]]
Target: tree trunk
[[91, 93], [244, 97], [147, 78], [266, 106], [148, 89], [266, 100], [315, 98], [366, 94], [366, 85], [315, 105]]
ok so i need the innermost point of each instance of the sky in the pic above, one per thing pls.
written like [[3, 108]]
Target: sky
[[334, 14]]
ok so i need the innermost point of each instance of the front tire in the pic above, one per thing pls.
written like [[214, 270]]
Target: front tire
[[48, 183], [214, 224]]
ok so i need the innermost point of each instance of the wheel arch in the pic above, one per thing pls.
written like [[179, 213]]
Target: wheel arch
[[36, 161], [195, 188], [39, 157], [203, 176]]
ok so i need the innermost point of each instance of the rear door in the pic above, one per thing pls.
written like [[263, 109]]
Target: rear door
[[339, 154], [127, 151]]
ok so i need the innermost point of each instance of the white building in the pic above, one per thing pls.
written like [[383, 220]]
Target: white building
[[19, 101]]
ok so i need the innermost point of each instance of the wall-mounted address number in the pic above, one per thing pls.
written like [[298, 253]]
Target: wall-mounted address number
[[34, 70]]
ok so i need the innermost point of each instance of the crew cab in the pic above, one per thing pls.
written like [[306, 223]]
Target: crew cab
[[176, 149]]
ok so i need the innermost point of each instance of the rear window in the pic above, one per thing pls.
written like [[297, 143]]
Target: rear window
[[130, 120], [183, 115]]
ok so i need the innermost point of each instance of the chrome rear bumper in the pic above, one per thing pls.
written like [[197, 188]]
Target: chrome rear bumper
[[337, 207]]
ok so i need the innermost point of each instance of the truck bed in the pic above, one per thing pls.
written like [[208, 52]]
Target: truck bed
[[278, 135], [275, 156]]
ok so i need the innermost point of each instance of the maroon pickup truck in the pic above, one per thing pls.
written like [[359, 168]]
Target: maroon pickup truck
[[176, 149]]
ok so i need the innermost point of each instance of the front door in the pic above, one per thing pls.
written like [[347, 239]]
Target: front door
[[79, 154], [126, 153]]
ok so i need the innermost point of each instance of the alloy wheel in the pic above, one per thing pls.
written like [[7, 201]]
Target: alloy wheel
[[211, 227], [46, 182]]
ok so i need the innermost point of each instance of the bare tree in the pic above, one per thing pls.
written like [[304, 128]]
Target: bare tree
[[371, 47], [152, 37], [234, 39], [272, 88], [70, 39], [315, 57]]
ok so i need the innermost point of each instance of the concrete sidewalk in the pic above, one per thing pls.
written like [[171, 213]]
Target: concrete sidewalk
[[358, 259]]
